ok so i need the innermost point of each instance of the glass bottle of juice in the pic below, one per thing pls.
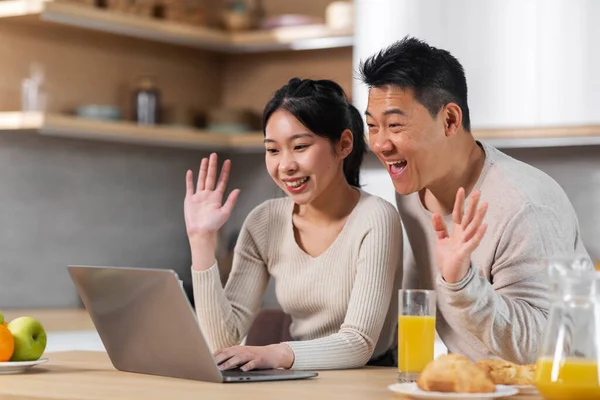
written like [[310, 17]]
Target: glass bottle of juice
[[567, 365]]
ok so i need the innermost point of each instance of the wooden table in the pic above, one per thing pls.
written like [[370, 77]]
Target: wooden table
[[54, 319], [90, 375]]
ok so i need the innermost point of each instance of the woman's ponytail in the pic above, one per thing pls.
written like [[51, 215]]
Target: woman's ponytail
[[354, 160]]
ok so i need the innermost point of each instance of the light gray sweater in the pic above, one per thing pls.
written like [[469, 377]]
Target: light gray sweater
[[343, 303], [500, 307]]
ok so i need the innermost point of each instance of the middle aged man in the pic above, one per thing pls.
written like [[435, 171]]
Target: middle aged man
[[489, 277]]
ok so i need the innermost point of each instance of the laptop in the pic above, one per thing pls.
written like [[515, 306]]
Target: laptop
[[148, 326]]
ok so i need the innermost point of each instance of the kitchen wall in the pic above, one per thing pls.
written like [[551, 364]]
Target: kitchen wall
[[71, 201], [528, 63], [68, 201], [577, 170], [87, 67], [250, 80]]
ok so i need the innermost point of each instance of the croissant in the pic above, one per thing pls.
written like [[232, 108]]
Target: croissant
[[507, 373], [454, 373]]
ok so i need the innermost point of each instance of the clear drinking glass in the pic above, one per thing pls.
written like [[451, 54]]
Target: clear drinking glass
[[569, 357], [33, 95], [416, 332]]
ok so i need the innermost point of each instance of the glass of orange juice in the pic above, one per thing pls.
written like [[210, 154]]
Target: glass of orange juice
[[416, 332]]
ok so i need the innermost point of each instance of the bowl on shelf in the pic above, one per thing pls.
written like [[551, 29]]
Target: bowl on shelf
[[229, 129], [231, 120], [99, 111], [289, 20]]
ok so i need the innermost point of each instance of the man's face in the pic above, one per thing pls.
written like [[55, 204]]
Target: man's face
[[404, 136]]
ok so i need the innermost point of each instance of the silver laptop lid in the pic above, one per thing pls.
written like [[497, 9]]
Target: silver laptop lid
[[145, 321]]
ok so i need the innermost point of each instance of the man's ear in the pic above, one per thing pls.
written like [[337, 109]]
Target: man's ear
[[452, 115], [346, 144]]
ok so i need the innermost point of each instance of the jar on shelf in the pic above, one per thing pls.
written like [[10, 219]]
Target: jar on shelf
[[147, 102]]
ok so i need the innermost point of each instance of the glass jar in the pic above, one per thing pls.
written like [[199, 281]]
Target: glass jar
[[567, 365], [147, 102]]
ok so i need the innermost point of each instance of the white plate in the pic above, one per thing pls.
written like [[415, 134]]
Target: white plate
[[526, 389], [15, 367], [412, 390]]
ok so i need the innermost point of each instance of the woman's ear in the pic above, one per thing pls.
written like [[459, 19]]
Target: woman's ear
[[346, 143]]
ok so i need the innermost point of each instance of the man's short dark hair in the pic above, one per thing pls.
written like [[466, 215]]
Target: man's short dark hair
[[434, 75]]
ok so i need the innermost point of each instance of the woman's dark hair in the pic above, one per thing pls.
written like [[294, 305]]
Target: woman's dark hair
[[323, 108]]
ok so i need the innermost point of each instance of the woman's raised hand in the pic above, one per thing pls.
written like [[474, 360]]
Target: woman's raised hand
[[204, 210]]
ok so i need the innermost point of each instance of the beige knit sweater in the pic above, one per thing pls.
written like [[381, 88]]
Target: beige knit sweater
[[343, 303], [500, 307]]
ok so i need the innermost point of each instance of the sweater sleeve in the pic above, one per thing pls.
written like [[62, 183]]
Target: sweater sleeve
[[225, 314], [379, 260], [508, 314]]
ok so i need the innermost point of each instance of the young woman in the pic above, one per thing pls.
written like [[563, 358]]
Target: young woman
[[333, 250]]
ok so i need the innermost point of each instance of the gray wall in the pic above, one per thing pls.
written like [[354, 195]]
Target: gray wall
[[70, 201], [66, 201], [577, 170]]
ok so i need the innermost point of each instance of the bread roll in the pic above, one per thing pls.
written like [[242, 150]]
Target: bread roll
[[454, 373], [506, 373]]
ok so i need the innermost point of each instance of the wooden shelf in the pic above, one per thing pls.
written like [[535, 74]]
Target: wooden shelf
[[189, 138], [126, 132], [292, 38], [567, 136]]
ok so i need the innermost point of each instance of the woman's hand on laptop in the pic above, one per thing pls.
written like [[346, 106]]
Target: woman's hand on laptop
[[255, 357], [204, 210]]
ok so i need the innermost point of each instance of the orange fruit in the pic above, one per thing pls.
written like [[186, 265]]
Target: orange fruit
[[7, 344]]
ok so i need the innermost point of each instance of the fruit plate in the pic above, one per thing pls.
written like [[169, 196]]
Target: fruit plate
[[414, 392], [526, 389], [16, 367]]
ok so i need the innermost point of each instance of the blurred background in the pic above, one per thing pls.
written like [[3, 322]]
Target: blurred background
[[104, 104]]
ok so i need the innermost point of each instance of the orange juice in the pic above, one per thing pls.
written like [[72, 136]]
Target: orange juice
[[416, 335], [575, 378]]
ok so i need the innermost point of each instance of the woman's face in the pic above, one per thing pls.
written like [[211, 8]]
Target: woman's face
[[300, 162]]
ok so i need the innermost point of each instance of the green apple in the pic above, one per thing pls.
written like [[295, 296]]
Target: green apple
[[1, 318], [30, 339]]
